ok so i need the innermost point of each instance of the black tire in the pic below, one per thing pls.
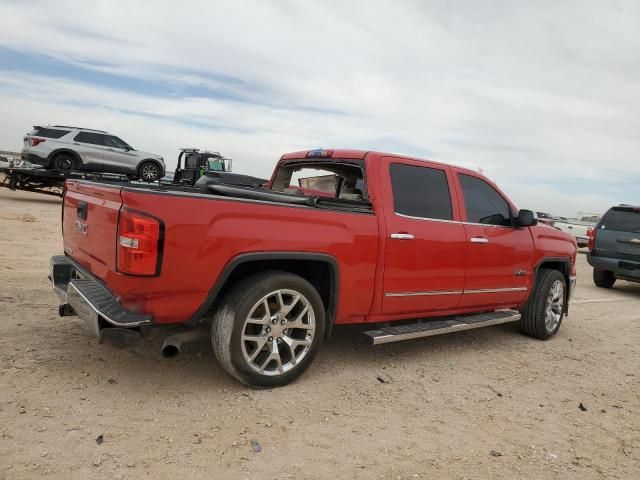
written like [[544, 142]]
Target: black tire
[[229, 324], [149, 172], [64, 162], [603, 278], [534, 314]]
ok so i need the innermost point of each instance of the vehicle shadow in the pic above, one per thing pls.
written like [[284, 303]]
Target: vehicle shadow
[[43, 199], [196, 369]]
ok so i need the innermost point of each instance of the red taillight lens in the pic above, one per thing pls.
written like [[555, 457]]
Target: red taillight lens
[[36, 141], [139, 243], [591, 236]]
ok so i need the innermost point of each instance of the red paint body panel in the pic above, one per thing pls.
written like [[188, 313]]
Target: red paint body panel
[[204, 234]]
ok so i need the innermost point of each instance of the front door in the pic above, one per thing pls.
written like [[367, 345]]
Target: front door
[[118, 156], [500, 256], [424, 253]]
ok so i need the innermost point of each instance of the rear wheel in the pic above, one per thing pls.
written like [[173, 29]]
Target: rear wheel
[[149, 172], [603, 278], [542, 316], [268, 329], [64, 162]]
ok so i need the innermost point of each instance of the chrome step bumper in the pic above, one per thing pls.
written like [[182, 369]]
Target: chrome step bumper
[[429, 328], [90, 299]]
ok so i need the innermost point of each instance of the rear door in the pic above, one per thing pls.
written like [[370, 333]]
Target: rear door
[[498, 269], [425, 245], [618, 234]]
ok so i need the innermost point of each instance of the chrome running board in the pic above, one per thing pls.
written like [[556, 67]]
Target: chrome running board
[[429, 328]]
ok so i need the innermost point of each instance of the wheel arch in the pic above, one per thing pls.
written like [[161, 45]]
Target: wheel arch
[[151, 160], [561, 264], [319, 269], [58, 151]]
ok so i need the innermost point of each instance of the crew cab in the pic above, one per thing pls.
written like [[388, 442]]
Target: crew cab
[[408, 247]]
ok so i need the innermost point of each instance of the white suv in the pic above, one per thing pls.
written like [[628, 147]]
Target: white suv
[[72, 148]]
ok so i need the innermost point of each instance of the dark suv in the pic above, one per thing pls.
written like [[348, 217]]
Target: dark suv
[[614, 246]]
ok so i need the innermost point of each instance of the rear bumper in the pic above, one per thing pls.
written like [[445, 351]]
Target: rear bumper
[[625, 269], [90, 300], [35, 159]]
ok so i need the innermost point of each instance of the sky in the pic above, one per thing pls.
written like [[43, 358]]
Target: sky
[[543, 96]]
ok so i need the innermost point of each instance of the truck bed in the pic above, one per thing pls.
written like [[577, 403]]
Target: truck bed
[[203, 230]]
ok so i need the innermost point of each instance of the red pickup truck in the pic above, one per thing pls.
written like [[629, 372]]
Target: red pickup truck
[[411, 247]]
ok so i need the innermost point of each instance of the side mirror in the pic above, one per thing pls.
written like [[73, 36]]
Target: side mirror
[[526, 218]]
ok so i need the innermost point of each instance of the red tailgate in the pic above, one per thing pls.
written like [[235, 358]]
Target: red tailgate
[[90, 223]]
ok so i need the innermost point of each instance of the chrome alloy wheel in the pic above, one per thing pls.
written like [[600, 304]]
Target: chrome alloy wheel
[[278, 332], [150, 172], [554, 307]]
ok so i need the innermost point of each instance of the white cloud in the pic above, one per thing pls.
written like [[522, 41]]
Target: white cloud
[[541, 95]]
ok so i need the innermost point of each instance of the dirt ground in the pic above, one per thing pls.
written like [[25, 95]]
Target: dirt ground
[[488, 403]]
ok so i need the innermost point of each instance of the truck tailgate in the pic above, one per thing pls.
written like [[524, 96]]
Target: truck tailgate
[[90, 224]]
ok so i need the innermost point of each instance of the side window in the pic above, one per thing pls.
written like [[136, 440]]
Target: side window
[[420, 191], [50, 132], [484, 204], [114, 142], [88, 137]]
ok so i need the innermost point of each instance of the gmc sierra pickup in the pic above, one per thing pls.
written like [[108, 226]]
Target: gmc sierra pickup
[[413, 248]]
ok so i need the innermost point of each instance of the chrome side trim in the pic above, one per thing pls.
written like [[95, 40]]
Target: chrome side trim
[[452, 221], [418, 294], [454, 292], [497, 290]]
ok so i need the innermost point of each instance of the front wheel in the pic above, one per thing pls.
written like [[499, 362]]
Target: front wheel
[[268, 329], [149, 172], [542, 316]]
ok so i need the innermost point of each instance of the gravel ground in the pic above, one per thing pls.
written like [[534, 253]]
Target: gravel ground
[[488, 403]]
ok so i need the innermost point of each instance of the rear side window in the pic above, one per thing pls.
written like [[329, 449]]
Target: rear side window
[[621, 220], [88, 137], [484, 204], [420, 191], [49, 132]]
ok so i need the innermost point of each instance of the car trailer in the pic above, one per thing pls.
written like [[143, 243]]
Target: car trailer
[[48, 182]]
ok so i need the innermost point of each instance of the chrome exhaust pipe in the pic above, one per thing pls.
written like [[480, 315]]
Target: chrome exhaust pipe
[[172, 345]]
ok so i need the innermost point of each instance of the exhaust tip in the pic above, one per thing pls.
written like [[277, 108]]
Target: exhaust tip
[[170, 351]]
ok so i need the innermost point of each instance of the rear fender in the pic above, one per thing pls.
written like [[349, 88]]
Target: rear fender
[[270, 261]]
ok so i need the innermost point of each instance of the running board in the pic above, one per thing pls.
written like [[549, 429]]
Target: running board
[[428, 328]]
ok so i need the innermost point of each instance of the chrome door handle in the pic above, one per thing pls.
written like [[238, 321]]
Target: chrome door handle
[[402, 236], [479, 240]]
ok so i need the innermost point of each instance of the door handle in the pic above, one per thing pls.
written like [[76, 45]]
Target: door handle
[[479, 240], [402, 236]]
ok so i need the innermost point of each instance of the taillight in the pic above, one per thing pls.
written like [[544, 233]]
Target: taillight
[[591, 237], [139, 246], [36, 141]]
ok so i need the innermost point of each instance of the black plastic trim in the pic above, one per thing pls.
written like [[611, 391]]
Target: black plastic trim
[[258, 256], [65, 150], [152, 160], [567, 262]]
